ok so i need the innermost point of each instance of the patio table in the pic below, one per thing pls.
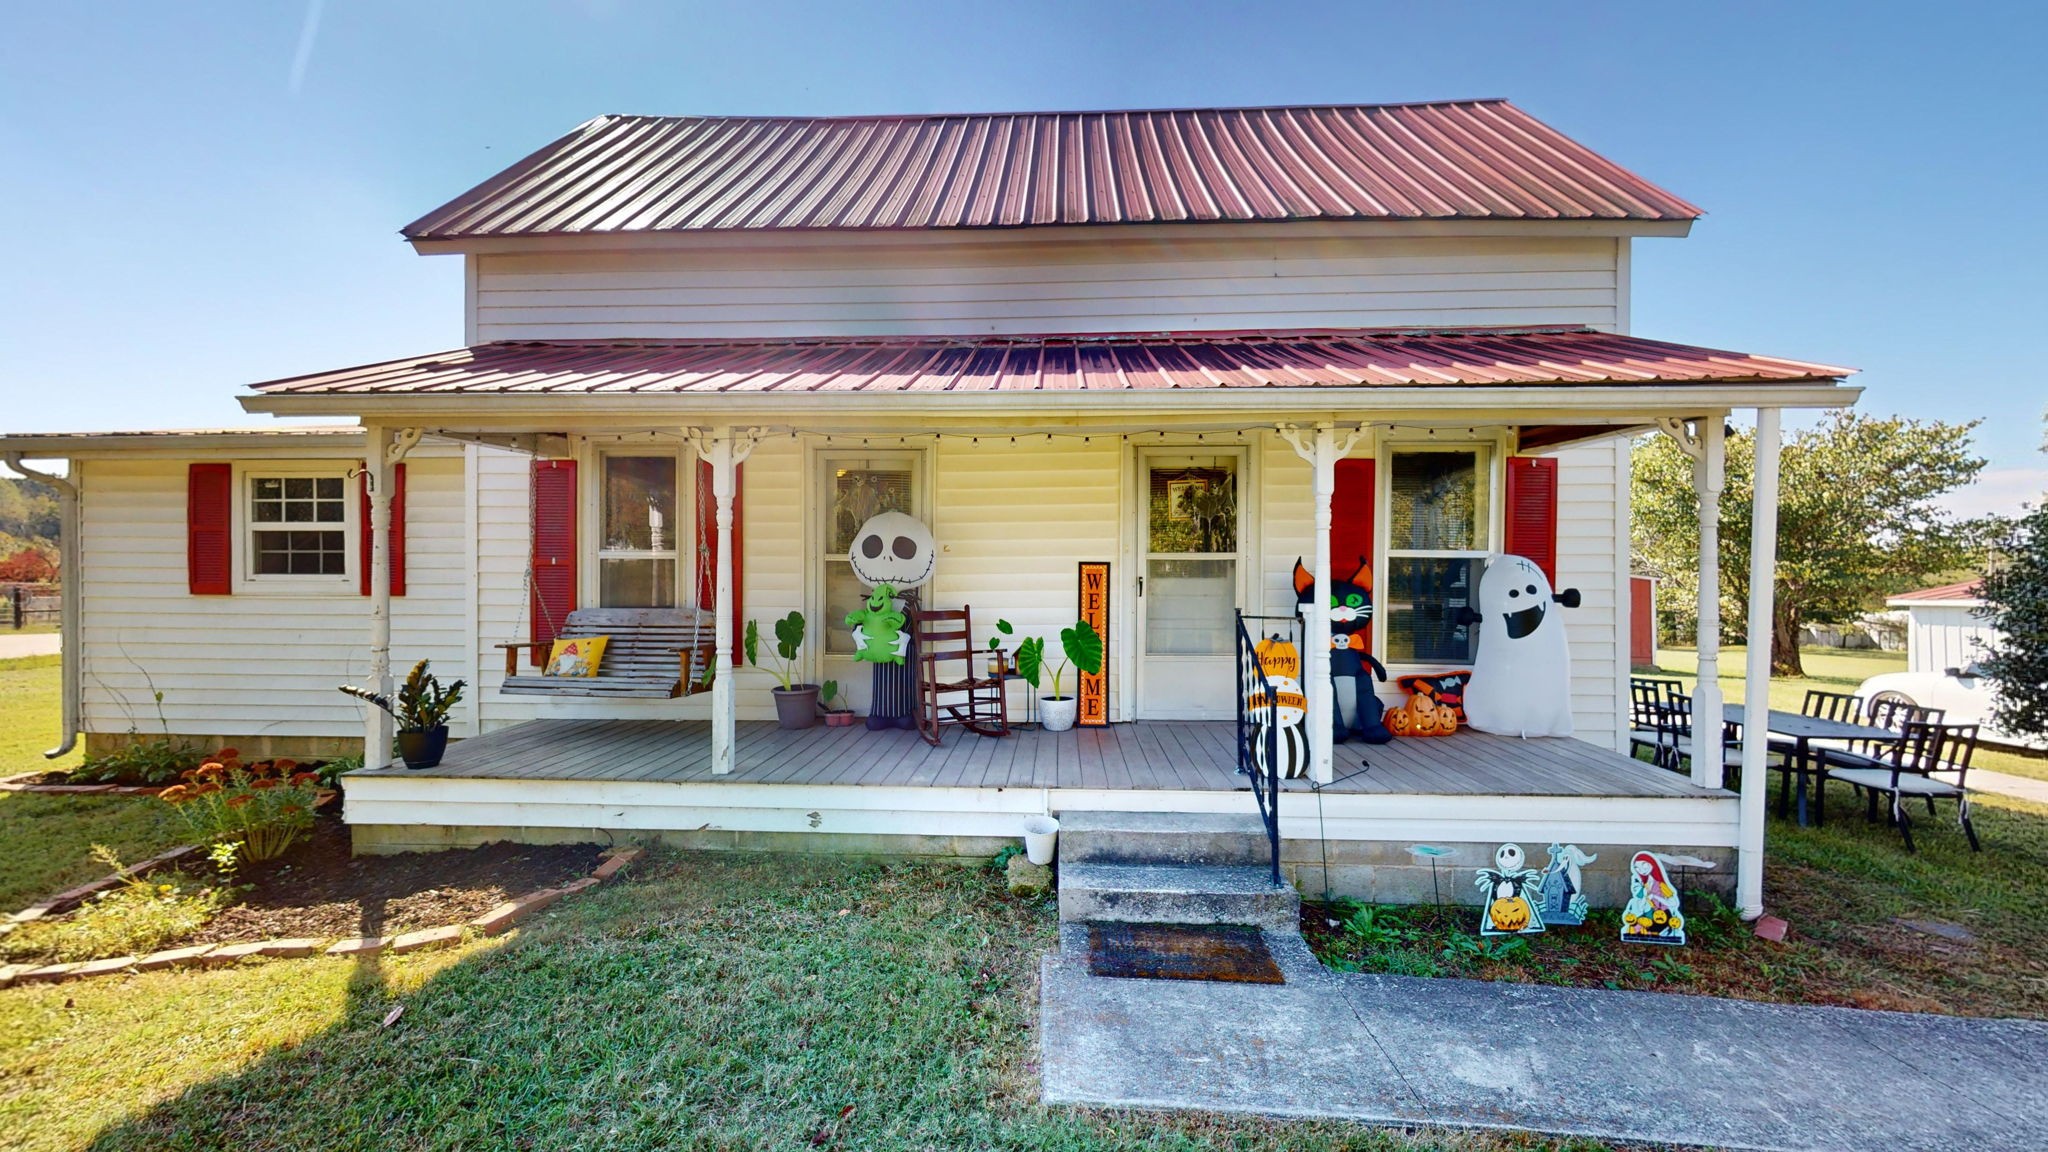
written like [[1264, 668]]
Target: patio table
[[1803, 730]]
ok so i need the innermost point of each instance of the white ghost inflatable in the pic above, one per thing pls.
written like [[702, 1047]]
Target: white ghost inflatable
[[1521, 681]]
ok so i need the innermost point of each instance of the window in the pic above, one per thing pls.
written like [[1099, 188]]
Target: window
[[1190, 587], [298, 526], [856, 488], [636, 555], [1438, 516]]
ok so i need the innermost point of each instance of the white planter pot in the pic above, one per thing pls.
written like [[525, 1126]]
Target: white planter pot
[[1057, 713], [1041, 835]]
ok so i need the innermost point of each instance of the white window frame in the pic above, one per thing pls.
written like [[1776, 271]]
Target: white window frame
[[820, 461], [682, 533], [247, 579], [1495, 448]]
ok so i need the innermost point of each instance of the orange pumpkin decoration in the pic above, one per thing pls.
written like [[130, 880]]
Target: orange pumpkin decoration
[[1421, 715], [1509, 914]]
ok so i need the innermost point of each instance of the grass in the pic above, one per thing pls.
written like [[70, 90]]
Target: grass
[[1829, 670], [49, 839], [712, 1001], [32, 707]]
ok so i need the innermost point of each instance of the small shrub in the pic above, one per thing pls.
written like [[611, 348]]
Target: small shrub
[[262, 807], [330, 770], [137, 917], [158, 760]]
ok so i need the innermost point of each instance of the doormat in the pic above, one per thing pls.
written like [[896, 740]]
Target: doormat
[[1225, 952]]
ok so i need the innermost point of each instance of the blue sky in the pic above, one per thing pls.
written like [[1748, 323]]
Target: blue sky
[[203, 195]]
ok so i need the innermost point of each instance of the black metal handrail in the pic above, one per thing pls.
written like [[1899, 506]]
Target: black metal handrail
[[1258, 730]]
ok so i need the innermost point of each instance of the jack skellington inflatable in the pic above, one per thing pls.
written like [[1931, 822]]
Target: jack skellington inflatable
[[892, 552]]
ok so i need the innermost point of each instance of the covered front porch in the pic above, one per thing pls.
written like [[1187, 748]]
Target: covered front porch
[[853, 790]]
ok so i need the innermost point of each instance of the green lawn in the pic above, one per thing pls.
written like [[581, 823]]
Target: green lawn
[[32, 710], [1829, 670]]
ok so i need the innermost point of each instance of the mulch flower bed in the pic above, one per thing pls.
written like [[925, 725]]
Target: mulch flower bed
[[318, 889]]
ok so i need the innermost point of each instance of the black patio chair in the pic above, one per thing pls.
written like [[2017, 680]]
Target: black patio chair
[[1675, 738], [1840, 706], [1922, 762], [1649, 707]]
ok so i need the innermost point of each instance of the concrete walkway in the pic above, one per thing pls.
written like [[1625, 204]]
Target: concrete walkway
[[1623, 1066], [15, 645], [2006, 784]]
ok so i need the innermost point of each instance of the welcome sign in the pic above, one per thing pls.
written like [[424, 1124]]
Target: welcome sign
[[1094, 708]]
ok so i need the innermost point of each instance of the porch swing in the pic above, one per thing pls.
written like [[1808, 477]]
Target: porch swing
[[650, 653]]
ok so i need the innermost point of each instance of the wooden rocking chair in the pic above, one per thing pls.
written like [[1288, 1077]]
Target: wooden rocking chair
[[941, 639]]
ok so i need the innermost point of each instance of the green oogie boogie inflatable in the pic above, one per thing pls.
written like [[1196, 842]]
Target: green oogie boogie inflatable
[[892, 552]]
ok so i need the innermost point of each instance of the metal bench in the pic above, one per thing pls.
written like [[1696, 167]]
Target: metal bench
[[653, 653]]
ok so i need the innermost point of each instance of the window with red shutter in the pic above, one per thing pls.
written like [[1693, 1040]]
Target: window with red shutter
[[554, 551], [1531, 513], [209, 529], [397, 531]]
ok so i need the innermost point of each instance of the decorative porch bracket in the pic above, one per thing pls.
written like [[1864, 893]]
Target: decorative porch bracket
[[1703, 440], [725, 450], [384, 448], [1322, 450], [1763, 569]]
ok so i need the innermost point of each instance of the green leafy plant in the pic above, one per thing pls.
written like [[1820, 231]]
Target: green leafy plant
[[789, 642], [262, 807], [137, 917], [330, 771], [1080, 645], [1378, 926], [422, 704], [1004, 632], [828, 692], [157, 760]]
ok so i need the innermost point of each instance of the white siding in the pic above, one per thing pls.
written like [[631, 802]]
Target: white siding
[[1592, 556], [259, 662], [1944, 636], [1105, 286]]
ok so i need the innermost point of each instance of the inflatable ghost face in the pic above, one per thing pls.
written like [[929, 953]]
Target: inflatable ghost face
[[1521, 680], [894, 549]]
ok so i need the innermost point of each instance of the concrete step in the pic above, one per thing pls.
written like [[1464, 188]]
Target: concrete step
[[1178, 894], [1163, 838]]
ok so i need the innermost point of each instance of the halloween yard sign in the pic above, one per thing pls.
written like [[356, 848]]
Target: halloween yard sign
[[1564, 886], [1652, 914], [1280, 660], [1510, 893]]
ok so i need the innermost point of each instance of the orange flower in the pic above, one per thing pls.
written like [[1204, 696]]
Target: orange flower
[[294, 809], [264, 783], [239, 799], [299, 778], [227, 754], [285, 765], [206, 789], [175, 793]]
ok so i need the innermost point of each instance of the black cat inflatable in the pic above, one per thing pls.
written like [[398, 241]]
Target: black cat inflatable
[[1350, 628]]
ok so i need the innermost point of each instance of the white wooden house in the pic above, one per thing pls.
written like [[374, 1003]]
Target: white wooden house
[[1023, 328]]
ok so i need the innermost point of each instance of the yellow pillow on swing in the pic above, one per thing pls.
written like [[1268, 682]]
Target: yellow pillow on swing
[[578, 657]]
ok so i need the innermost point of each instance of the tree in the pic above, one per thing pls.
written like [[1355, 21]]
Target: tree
[[1857, 519], [28, 566], [2016, 604]]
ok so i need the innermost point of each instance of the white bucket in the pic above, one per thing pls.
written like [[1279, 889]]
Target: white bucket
[[1040, 833]]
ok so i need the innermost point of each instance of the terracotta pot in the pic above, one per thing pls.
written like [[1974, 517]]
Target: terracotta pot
[[840, 718], [1057, 713], [796, 707], [423, 749]]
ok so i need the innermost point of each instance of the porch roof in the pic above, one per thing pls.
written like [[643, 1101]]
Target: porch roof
[[1062, 365]]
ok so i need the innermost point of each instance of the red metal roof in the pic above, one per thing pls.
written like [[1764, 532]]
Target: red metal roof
[[1966, 591], [1474, 159], [1360, 358]]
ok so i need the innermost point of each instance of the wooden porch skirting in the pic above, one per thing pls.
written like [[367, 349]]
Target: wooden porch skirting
[[848, 790]]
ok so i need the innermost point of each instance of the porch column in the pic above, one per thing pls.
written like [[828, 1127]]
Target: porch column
[[383, 449], [1322, 453], [1705, 443], [1756, 682], [724, 451]]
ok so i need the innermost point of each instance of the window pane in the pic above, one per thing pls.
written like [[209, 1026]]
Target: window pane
[[1424, 596], [844, 593], [1192, 510], [328, 487], [859, 494], [639, 504], [301, 553], [298, 488], [268, 511], [636, 583], [1437, 501], [1190, 606], [298, 512]]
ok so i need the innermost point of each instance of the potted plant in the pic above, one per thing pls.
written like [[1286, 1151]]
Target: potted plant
[[834, 717], [999, 662], [1082, 648], [796, 705], [421, 710]]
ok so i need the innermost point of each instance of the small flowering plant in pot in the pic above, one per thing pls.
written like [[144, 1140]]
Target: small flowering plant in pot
[[421, 709], [262, 808]]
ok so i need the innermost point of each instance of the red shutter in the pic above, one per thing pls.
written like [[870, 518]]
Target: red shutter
[[1351, 525], [209, 529], [1532, 511], [397, 530], [554, 551], [707, 548]]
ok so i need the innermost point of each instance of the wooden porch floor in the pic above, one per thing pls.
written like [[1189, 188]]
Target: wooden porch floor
[[1180, 756]]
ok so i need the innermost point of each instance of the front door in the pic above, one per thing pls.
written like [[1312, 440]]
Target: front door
[[1190, 527]]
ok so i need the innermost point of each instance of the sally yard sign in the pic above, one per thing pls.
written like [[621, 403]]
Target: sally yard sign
[[1094, 711]]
